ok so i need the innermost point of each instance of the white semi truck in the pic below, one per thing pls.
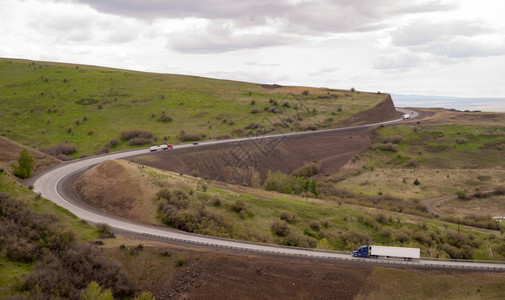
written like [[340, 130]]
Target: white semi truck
[[406, 116], [373, 251]]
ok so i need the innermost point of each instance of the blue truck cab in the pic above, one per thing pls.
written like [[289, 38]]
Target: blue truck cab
[[361, 252]]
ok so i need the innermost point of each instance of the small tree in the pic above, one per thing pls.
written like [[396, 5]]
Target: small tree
[[94, 292], [25, 165]]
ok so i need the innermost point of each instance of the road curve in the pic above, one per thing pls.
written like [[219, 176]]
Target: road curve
[[49, 184]]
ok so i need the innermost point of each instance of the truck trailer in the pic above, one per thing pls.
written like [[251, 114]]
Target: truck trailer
[[373, 251]]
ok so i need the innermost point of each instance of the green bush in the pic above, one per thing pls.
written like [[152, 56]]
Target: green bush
[[136, 133], [288, 216], [238, 205], [307, 170], [25, 165], [280, 228]]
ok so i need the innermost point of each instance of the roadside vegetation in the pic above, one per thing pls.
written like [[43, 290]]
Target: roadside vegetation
[[196, 205], [74, 111], [48, 253]]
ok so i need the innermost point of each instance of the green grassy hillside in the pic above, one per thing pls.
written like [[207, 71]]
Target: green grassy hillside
[[44, 104], [444, 159], [196, 205]]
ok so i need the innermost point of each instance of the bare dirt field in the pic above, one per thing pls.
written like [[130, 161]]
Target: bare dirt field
[[180, 272]]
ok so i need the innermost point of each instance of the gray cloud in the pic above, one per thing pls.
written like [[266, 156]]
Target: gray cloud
[[453, 39], [401, 61], [322, 15], [464, 48], [219, 37], [285, 20], [422, 32]]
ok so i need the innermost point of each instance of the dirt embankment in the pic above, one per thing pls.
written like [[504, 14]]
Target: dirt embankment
[[237, 162], [9, 154], [115, 188], [206, 273], [383, 111]]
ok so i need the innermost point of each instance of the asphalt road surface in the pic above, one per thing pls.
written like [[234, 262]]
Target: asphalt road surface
[[52, 184]]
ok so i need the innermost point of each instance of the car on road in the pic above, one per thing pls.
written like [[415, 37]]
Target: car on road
[[166, 147], [153, 148], [195, 143]]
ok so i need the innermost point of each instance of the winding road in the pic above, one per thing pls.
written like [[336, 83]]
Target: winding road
[[51, 185]]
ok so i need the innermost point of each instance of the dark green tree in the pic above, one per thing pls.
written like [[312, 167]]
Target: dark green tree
[[25, 165], [313, 187]]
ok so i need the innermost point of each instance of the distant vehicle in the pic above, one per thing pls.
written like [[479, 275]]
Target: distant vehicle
[[154, 148], [373, 251], [166, 147], [195, 143], [406, 116]]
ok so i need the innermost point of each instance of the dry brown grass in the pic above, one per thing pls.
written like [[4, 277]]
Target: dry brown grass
[[9, 153]]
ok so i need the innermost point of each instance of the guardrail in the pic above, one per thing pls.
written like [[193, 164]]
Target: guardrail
[[423, 263]]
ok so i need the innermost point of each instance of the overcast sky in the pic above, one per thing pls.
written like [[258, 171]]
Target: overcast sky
[[430, 47]]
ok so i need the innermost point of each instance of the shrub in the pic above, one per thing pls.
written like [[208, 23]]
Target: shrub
[[280, 228], [416, 182], [113, 142], [307, 170], [238, 205], [461, 140], [412, 163], [252, 125], [65, 274], [393, 139], [384, 147], [173, 196], [187, 137], [64, 266], [401, 237], [59, 151], [181, 261], [499, 190], [102, 150], [288, 216], [165, 118], [382, 218], [25, 164], [103, 228], [315, 225], [461, 195], [305, 92], [138, 141], [135, 133]]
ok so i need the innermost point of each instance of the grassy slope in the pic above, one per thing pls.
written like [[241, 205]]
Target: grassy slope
[[41, 103], [11, 272], [444, 165], [347, 226]]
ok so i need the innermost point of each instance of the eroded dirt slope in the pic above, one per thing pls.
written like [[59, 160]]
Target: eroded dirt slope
[[115, 188], [236, 162]]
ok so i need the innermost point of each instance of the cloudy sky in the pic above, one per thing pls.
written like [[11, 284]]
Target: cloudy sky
[[429, 47]]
